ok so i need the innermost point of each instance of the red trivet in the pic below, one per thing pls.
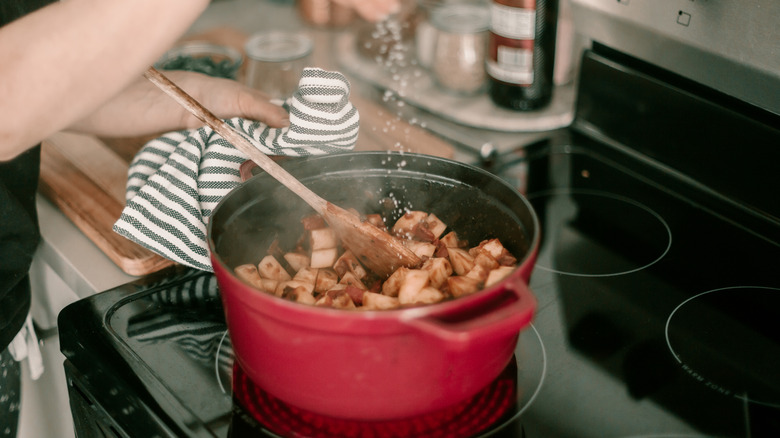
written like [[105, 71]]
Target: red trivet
[[464, 419]]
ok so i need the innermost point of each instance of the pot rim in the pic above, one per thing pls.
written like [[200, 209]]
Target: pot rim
[[400, 313]]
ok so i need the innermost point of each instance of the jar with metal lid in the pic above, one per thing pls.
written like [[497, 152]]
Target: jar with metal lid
[[276, 61], [460, 47]]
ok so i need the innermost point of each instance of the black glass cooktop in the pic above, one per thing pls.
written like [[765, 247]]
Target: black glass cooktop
[[657, 285], [655, 318]]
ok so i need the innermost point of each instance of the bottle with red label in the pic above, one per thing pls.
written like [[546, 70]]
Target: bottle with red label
[[521, 53]]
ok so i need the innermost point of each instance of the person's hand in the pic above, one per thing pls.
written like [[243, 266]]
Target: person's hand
[[143, 109], [372, 10]]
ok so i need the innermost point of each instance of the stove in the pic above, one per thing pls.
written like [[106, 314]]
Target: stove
[[657, 279]]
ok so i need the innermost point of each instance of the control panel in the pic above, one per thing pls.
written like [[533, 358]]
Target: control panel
[[732, 46]]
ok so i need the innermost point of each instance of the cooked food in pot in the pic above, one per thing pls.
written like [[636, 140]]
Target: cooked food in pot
[[319, 272]]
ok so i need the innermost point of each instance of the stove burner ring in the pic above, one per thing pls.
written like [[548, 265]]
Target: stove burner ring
[[217, 368], [586, 209], [712, 348], [529, 378]]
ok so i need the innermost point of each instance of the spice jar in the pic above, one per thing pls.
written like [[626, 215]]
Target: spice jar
[[326, 13], [460, 47], [276, 61]]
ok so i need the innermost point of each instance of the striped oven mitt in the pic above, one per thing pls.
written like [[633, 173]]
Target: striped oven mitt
[[176, 180]]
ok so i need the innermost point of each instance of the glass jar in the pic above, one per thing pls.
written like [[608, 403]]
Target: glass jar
[[458, 63], [276, 61]]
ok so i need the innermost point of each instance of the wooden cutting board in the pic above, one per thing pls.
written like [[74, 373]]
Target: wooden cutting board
[[86, 179], [85, 176]]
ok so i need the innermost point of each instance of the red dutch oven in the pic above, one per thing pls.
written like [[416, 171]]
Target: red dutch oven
[[374, 365]]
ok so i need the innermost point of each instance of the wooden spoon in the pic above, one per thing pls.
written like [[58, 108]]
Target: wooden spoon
[[377, 250]]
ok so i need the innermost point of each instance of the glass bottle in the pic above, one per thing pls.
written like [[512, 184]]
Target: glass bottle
[[521, 53]]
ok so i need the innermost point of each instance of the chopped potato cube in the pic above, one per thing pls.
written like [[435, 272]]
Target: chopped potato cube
[[349, 263], [326, 279], [451, 240], [497, 251], [461, 260], [486, 261], [479, 273], [297, 260], [248, 273], [423, 250], [375, 301], [269, 267], [460, 286], [338, 299], [285, 287], [299, 294], [324, 258], [323, 238], [435, 225], [498, 274], [392, 285], [351, 280], [406, 224], [439, 270], [429, 295], [414, 281], [307, 275]]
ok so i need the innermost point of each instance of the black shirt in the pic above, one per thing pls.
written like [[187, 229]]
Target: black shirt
[[19, 235]]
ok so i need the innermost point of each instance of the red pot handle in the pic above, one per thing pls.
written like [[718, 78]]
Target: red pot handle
[[501, 314]]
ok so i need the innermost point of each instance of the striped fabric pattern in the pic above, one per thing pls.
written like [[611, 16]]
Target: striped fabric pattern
[[175, 181]]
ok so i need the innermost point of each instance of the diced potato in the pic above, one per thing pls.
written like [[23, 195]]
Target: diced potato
[[248, 273], [323, 238], [326, 279], [423, 250], [435, 225], [429, 295], [269, 267], [496, 249], [285, 287], [498, 274], [439, 270], [461, 260], [299, 294], [351, 280], [392, 285], [479, 273], [406, 224], [460, 286], [375, 301], [269, 285], [307, 275], [414, 281], [324, 258], [297, 260], [451, 240], [486, 261], [338, 299], [349, 263]]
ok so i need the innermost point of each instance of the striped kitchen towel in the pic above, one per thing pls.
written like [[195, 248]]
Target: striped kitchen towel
[[176, 180]]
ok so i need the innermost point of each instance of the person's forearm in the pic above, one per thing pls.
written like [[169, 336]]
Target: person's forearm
[[67, 59]]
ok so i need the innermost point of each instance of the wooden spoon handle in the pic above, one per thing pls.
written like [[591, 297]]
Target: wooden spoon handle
[[236, 139]]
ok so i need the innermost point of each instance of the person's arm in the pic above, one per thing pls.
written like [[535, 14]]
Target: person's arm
[[143, 109], [62, 62]]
